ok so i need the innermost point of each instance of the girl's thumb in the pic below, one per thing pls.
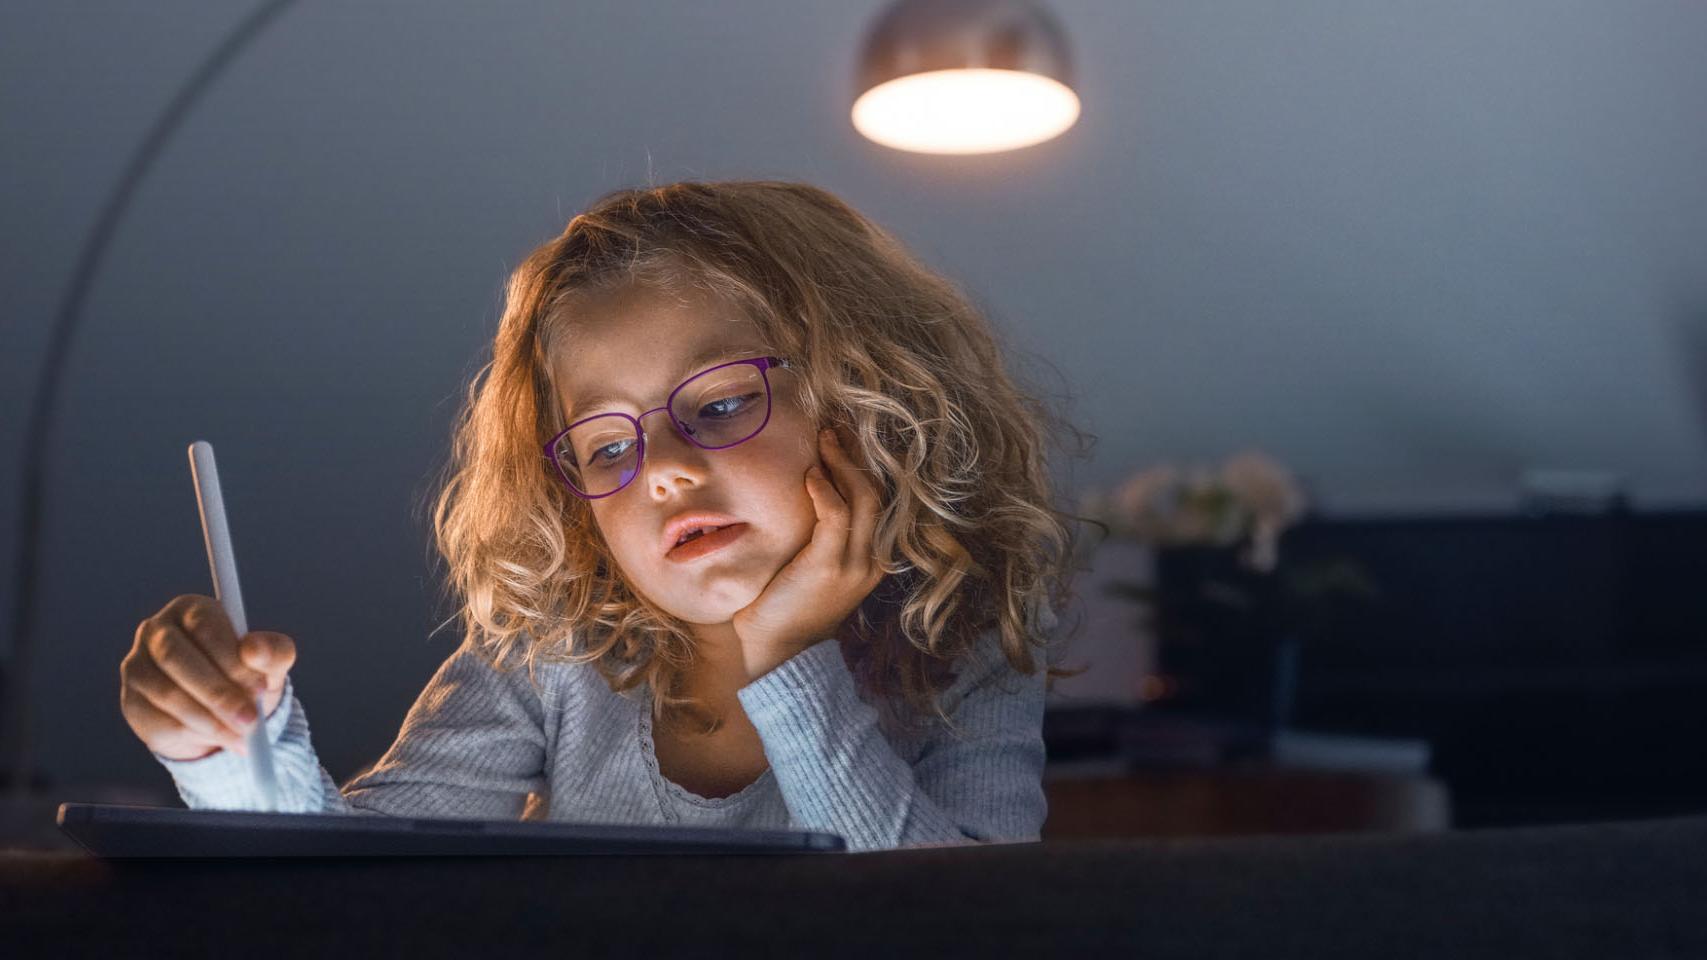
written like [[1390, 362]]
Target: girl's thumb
[[267, 652]]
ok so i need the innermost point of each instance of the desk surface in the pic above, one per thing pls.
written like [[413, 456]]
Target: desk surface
[[1625, 889]]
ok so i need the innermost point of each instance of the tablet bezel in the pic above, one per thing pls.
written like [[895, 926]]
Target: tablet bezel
[[116, 831]]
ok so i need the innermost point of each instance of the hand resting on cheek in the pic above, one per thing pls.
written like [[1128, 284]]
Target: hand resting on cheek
[[807, 600]]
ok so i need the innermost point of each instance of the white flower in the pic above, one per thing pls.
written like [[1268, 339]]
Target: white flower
[[1166, 505], [1264, 487], [1144, 500]]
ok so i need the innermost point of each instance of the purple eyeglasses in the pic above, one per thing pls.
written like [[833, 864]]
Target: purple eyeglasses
[[715, 408]]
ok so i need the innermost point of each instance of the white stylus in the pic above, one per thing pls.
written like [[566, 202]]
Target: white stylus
[[225, 590]]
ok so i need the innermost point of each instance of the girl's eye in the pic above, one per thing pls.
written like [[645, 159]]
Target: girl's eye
[[726, 407], [604, 453]]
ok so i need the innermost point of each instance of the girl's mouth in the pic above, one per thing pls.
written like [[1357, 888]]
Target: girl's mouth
[[698, 546]]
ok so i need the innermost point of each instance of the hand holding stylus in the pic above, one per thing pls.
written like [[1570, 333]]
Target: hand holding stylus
[[195, 676], [189, 679]]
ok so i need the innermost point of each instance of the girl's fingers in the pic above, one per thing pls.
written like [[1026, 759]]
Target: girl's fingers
[[175, 739], [207, 626], [830, 535], [863, 521], [187, 713], [188, 667], [269, 653]]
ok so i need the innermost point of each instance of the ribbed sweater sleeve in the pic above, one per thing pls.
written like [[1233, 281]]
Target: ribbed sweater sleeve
[[472, 746], [839, 774], [223, 781]]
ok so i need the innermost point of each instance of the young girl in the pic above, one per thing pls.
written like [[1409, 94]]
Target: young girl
[[749, 493]]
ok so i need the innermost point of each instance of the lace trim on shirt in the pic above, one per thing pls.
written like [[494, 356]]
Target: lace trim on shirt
[[649, 754]]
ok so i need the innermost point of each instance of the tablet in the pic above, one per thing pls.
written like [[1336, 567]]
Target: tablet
[[120, 831]]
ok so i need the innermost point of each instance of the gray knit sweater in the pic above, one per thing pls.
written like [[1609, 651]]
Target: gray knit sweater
[[481, 743]]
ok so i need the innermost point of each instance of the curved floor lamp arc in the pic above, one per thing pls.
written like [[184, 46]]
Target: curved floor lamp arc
[[42, 406], [1014, 40]]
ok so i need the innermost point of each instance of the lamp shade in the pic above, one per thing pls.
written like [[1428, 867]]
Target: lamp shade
[[964, 76]]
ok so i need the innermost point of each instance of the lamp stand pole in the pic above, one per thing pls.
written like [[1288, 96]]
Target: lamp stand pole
[[39, 434]]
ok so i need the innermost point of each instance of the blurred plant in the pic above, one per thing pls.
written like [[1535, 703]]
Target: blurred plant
[[1248, 503], [1251, 497]]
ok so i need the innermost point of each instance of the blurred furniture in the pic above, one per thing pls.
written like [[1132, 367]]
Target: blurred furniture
[[1556, 664], [1118, 771], [1630, 889]]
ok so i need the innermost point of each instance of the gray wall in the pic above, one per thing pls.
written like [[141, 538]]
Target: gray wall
[[1409, 249]]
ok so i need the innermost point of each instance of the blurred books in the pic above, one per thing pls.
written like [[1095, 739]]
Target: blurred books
[[1339, 751], [1110, 740]]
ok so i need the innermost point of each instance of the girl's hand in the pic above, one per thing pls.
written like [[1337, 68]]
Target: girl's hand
[[189, 684], [809, 598]]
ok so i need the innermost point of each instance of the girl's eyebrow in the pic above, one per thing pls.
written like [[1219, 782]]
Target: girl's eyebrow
[[710, 356]]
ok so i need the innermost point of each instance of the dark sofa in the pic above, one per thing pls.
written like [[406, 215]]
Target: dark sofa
[[1628, 889]]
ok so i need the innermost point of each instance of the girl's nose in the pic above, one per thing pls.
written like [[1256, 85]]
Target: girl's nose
[[666, 447]]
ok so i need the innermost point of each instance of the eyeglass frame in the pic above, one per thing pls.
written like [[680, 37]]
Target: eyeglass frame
[[763, 363]]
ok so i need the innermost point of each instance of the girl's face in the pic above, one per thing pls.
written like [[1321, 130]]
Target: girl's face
[[635, 346]]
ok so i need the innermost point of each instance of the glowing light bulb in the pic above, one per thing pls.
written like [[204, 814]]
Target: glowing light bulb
[[966, 111]]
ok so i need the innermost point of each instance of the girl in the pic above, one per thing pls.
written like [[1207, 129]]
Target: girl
[[748, 492]]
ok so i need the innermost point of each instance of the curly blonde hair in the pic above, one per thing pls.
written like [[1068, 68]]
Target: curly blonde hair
[[887, 349]]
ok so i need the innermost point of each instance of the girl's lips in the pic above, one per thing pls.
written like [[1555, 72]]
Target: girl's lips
[[706, 543]]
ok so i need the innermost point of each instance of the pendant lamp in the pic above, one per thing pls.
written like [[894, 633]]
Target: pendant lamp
[[964, 76]]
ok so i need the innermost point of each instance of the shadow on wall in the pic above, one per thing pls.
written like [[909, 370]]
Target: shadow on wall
[[1692, 355]]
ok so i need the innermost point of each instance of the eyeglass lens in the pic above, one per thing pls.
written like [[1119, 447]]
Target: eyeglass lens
[[718, 408]]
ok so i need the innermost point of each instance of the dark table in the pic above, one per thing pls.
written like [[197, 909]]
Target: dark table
[[1626, 889]]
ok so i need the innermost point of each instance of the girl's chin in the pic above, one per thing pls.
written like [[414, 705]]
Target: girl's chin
[[708, 620], [726, 579], [717, 602]]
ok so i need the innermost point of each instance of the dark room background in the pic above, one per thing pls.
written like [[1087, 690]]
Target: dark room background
[[1412, 251]]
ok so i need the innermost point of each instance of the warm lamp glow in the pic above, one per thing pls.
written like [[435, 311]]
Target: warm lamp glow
[[965, 111]]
